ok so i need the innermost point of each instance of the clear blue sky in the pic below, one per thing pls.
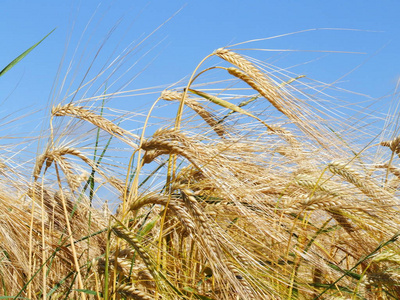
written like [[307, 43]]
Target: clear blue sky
[[198, 29]]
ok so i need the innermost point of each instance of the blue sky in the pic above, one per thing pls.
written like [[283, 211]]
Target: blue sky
[[195, 31]]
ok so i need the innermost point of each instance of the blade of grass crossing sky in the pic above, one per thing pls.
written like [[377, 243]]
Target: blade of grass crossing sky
[[21, 56]]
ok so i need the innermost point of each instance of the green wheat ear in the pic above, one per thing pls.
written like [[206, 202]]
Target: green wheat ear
[[228, 105], [21, 56]]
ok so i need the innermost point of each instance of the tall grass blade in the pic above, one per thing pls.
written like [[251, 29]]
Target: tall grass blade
[[21, 56]]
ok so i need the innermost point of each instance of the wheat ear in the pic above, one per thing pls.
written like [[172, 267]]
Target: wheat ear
[[365, 185], [173, 204], [159, 146], [99, 121], [131, 292], [58, 155], [393, 145], [129, 237], [211, 240], [263, 84], [239, 61]]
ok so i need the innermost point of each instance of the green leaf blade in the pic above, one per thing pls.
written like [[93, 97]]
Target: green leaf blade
[[21, 56]]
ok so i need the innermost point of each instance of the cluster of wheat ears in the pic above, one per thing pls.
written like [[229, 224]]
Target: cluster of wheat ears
[[247, 193]]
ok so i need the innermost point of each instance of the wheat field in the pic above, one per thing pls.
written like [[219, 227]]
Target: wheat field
[[253, 189]]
